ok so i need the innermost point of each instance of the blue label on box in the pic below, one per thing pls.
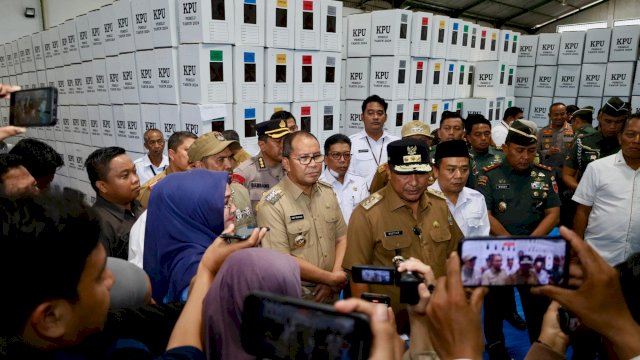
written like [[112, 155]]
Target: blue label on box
[[249, 57], [455, 26], [451, 67], [506, 37], [249, 113], [252, 2]]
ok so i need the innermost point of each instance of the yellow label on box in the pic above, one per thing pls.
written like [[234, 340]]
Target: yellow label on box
[[434, 107], [442, 24], [277, 109], [493, 36], [281, 59], [438, 67], [281, 3]]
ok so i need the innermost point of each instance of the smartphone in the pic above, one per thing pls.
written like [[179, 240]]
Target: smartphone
[[569, 323], [376, 298], [511, 261], [279, 327], [34, 107], [241, 234], [369, 274]]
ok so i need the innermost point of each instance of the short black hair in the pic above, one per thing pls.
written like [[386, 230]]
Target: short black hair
[[512, 112], [43, 253], [634, 116], [557, 104], [177, 138], [8, 162], [231, 135], [39, 158], [374, 98], [97, 164], [475, 119], [336, 139], [282, 115], [287, 144], [144, 136], [450, 115], [572, 108]]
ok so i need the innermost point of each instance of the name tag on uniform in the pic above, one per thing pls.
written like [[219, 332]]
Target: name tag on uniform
[[363, 150], [393, 233], [254, 185], [503, 186], [296, 217]]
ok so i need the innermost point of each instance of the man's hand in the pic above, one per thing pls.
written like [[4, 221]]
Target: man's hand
[[554, 150], [459, 332], [9, 131], [551, 334], [338, 279], [6, 90], [322, 293], [219, 250]]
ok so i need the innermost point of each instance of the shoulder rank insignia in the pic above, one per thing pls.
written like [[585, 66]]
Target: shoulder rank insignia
[[261, 164], [381, 168], [491, 167], [371, 200], [273, 196], [543, 167], [436, 193]]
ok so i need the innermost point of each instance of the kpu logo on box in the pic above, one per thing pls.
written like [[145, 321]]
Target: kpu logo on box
[[189, 8]]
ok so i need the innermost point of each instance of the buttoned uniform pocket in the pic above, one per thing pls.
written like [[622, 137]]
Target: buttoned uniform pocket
[[440, 234], [298, 235], [474, 219], [396, 239]]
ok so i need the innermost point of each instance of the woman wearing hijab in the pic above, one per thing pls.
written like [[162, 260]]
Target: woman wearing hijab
[[243, 272], [187, 211]]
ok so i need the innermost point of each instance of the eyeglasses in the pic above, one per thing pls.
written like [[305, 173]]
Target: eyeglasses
[[306, 159], [337, 155]]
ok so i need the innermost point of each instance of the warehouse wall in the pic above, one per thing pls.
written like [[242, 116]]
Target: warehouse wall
[[620, 9], [13, 23]]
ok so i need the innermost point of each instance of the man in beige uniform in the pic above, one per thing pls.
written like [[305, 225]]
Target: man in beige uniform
[[305, 220], [404, 218]]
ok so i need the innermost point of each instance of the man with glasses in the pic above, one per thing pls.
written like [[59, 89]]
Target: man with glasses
[[350, 188], [155, 161], [305, 220]]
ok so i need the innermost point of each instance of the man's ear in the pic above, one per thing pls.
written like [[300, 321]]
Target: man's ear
[[50, 320], [387, 169], [172, 154], [504, 148], [102, 186], [261, 145], [198, 164], [285, 164]]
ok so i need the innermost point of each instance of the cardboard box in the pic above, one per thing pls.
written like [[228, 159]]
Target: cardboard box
[[205, 73], [359, 35], [67, 76], [307, 25], [435, 79], [102, 83], [70, 159], [568, 80], [108, 119], [331, 32], [169, 117], [398, 114], [25, 49], [596, 46], [619, 79], [358, 74], [571, 47], [249, 74], [164, 23], [64, 169], [328, 120], [389, 77], [142, 24], [416, 109], [636, 82], [64, 43], [474, 43], [108, 16], [128, 127], [9, 60], [475, 106], [149, 117], [421, 29], [200, 119], [515, 48], [466, 41], [432, 112], [418, 78], [306, 67], [51, 47], [96, 33], [353, 117], [565, 100], [166, 75], [17, 66], [79, 124], [84, 38], [307, 115], [147, 75], [61, 79], [635, 104], [279, 75], [58, 129], [523, 103], [3, 62], [245, 117], [249, 22], [129, 78], [51, 78], [504, 46], [280, 24], [65, 117], [451, 77], [490, 79], [539, 110], [72, 41], [114, 79], [345, 27], [78, 82], [391, 32], [217, 117], [270, 108], [545, 81], [592, 80], [329, 76], [95, 125], [548, 49], [528, 50], [624, 43], [595, 102], [511, 81], [439, 43], [493, 39], [125, 29], [41, 77], [455, 39], [206, 21]]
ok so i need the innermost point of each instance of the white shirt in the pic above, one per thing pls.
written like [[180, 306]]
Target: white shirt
[[499, 133], [612, 189], [146, 170], [470, 211], [350, 192], [368, 154], [136, 240]]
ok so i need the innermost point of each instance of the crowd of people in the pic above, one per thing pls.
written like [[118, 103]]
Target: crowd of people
[[149, 270]]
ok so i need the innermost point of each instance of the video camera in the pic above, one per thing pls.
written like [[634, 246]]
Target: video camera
[[389, 275]]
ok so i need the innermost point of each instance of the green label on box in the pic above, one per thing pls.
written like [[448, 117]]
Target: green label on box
[[215, 55], [466, 28]]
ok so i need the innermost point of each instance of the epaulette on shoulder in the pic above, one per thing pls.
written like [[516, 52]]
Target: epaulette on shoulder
[[381, 168], [273, 195], [543, 167], [325, 184], [436, 193], [491, 167], [371, 200]]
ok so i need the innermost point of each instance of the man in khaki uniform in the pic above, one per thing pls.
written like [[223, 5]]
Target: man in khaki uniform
[[305, 220], [212, 152], [263, 171], [404, 218]]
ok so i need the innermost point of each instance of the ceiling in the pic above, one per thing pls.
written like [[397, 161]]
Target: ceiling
[[528, 16]]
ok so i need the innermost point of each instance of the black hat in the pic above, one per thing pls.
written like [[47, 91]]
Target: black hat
[[408, 156], [586, 114], [276, 128], [451, 148], [615, 107], [521, 134]]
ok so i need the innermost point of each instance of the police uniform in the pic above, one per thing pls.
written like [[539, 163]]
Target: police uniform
[[254, 173], [305, 226], [383, 226], [549, 137]]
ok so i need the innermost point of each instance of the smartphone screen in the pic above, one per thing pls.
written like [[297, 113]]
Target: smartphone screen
[[376, 298], [372, 274], [278, 327], [514, 261], [34, 107]]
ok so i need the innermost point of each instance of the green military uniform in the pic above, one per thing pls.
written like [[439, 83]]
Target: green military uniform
[[481, 160], [584, 131], [589, 148]]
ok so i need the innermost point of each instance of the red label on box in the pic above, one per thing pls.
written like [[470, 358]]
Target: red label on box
[[425, 21], [420, 65], [307, 5], [416, 107], [305, 111], [306, 59], [484, 33]]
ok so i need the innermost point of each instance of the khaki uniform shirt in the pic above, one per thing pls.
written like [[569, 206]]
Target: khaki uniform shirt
[[518, 278], [305, 226], [382, 226], [244, 211], [258, 177], [145, 189]]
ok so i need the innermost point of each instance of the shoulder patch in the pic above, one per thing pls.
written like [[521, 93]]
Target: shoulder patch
[[491, 167], [371, 200], [237, 178], [381, 168], [273, 196], [543, 167], [436, 193], [261, 163], [324, 183]]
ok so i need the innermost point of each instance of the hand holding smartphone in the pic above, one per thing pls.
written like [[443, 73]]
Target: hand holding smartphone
[[34, 107]]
